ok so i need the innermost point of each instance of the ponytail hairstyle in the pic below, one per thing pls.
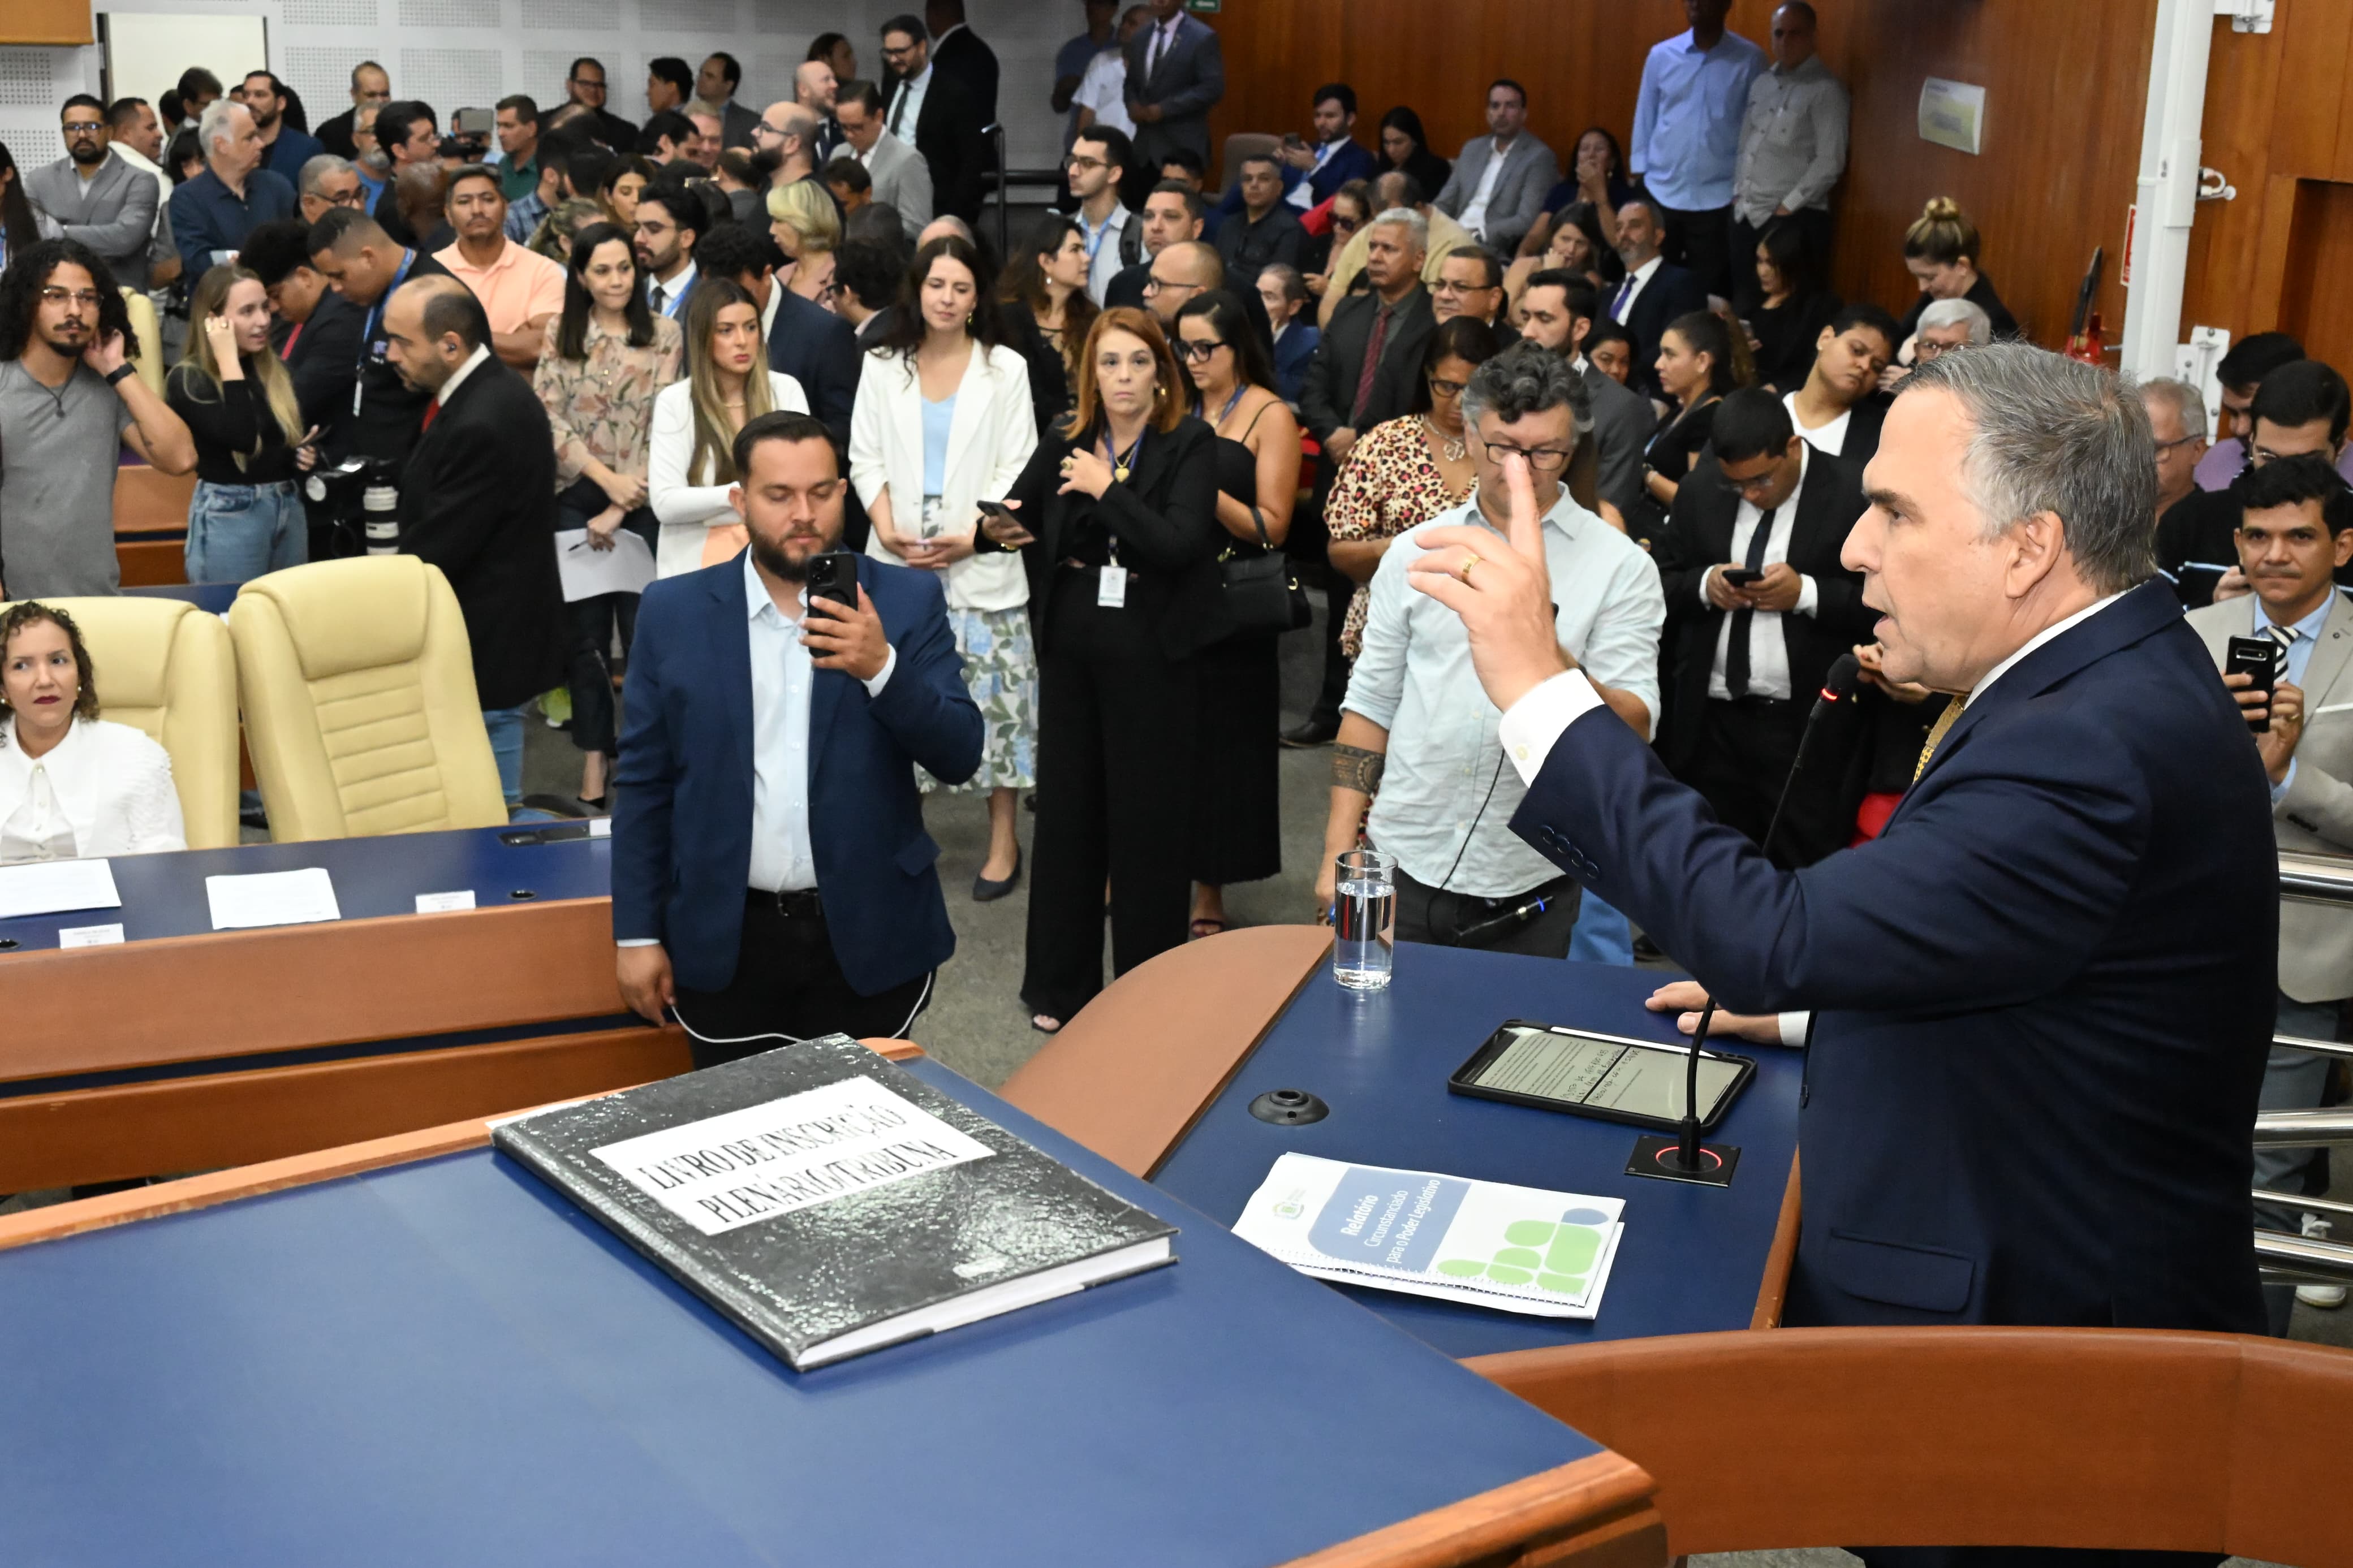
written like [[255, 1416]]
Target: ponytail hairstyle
[[200, 373], [1942, 234], [1728, 362]]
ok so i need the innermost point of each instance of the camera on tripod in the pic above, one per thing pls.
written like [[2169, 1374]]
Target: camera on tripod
[[361, 498]]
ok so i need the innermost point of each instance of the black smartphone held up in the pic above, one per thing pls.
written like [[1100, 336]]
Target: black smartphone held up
[[1608, 1076], [1740, 576], [2258, 658], [834, 575]]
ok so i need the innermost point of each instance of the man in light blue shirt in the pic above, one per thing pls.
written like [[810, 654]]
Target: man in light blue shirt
[[1687, 120], [1416, 722]]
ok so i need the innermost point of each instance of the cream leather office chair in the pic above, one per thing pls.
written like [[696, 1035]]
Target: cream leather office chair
[[360, 710], [1241, 144], [166, 667], [149, 329]]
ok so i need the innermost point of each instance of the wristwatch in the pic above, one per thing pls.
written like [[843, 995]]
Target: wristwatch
[[114, 377]]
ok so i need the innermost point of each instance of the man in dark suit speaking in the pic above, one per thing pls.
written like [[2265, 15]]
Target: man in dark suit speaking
[[772, 878], [2043, 996]]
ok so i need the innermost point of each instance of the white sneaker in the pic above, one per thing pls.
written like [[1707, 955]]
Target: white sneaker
[[2322, 1296]]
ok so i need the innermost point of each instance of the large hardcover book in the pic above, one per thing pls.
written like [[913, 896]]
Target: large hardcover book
[[831, 1202]]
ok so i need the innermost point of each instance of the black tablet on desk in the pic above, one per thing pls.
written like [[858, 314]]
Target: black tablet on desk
[[1609, 1077]]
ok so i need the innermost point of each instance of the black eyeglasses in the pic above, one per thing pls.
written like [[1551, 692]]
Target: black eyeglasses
[[1543, 460], [1446, 388], [83, 128], [1196, 349], [1084, 165]]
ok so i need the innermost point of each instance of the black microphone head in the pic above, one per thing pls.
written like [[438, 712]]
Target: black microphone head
[[1844, 677]]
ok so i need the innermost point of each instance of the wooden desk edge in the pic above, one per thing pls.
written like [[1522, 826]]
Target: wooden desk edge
[[1595, 1512], [1773, 1289], [216, 1187]]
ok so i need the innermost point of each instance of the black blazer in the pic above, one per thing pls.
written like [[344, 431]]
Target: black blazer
[[819, 350], [1164, 518], [1328, 393], [1672, 292], [324, 362], [478, 499], [1699, 536], [948, 128]]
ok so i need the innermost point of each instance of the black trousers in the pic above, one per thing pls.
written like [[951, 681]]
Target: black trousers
[[789, 982], [1116, 774], [1426, 914], [1744, 755], [1747, 294], [1339, 589], [593, 623], [1702, 240]]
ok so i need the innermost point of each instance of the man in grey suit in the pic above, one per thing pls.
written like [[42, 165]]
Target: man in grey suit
[[1175, 75], [901, 179], [1558, 309], [2296, 529], [1498, 186], [96, 197]]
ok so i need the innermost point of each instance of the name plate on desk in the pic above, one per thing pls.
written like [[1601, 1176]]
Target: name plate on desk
[[91, 936], [439, 903], [272, 899]]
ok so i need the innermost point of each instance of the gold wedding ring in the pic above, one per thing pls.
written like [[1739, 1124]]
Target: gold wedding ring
[[1465, 573]]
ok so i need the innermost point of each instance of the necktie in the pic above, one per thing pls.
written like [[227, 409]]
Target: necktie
[[1736, 656], [658, 297], [1373, 347], [899, 112], [432, 412], [2284, 635], [1936, 734], [1159, 48], [1618, 305]]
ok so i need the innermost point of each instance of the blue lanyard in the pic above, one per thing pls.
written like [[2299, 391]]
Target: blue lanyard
[[1095, 237], [375, 311]]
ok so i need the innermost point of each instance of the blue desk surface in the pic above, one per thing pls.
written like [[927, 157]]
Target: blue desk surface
[[446, 1363], [164, 895], [1691, 1258], [216, 597]]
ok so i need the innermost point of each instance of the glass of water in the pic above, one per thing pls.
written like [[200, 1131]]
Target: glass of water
[[1365, 918]]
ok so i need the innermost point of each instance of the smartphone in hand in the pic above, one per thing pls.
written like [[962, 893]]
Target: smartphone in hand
[[2259, 658], [1740, 576], [834, 575]]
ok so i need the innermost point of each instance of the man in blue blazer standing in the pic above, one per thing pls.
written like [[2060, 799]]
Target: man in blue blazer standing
[[772, 878], [2041, 997]]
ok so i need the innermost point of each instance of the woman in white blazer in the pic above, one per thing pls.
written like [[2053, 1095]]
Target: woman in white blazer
[[689, 461], [943, 422], [71, 785]]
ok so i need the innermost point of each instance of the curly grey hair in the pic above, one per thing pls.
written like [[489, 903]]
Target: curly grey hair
[[2058, 435], [1527, 379]]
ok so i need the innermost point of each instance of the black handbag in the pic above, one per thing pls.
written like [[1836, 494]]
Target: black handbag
[[1260, 592]]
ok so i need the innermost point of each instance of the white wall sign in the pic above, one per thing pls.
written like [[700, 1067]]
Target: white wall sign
[[1952, 114]]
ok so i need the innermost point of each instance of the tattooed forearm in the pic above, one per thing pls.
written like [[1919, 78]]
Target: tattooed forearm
[[1352, 767]]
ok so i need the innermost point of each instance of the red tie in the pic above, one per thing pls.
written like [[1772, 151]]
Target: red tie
[[291, 339], [431, 409], [1373, 347]]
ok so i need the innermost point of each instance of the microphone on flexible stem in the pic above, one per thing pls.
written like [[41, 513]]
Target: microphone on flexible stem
[[1686, 1159]]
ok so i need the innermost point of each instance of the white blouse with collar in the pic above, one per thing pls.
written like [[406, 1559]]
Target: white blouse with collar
[[107, 785]]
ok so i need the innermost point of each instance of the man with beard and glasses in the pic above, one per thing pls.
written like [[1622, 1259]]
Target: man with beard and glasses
[[97, 198], [69, 400], [817, 909], [284, 150]]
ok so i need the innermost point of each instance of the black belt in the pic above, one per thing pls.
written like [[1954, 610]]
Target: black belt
[[800, 903]]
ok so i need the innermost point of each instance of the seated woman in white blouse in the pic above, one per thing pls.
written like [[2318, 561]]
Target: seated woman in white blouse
[[689, 461], [71, 785]]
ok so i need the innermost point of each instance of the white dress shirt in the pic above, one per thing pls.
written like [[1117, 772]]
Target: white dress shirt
[[458, 377], [783, 672], [1475, 213], [1768, 643], [1415, 680], [665, 297], [1103, 247], [1829, 437], [1103, 89], [104, 789], [1622, 304], [906, 107]]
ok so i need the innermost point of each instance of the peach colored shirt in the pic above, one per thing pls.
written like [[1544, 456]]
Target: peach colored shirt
[[520, 284]]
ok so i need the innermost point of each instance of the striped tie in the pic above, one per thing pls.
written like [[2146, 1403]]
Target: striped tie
[[2284, 635], [1936, 734]]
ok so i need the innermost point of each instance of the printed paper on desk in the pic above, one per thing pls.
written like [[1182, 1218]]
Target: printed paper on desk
[[53, 886], [272, 899], [805, 1148], [1489, 1244], [626, 568]]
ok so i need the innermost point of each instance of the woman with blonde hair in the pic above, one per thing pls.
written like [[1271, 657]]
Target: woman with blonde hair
[[552, 238], [691, 464], [804, 226], [1941, 250], [1115, 516], [233, 392]]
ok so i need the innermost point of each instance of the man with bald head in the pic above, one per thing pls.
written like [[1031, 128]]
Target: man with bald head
[[477, 500], [814, 87], [1181, 274], [790, 133]]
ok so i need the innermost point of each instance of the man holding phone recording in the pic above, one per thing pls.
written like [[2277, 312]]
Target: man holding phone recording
[[772, 878], [2295, 531]]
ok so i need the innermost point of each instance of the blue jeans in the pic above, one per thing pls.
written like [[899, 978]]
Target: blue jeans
[[505, 725], [237, 532], [1602, 935]]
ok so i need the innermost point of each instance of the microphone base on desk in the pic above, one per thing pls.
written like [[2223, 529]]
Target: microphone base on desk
[[1659, 1157]]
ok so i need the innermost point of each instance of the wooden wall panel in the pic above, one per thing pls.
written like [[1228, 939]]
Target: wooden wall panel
[[46, 22], [2314, 302], [2065, 85]]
